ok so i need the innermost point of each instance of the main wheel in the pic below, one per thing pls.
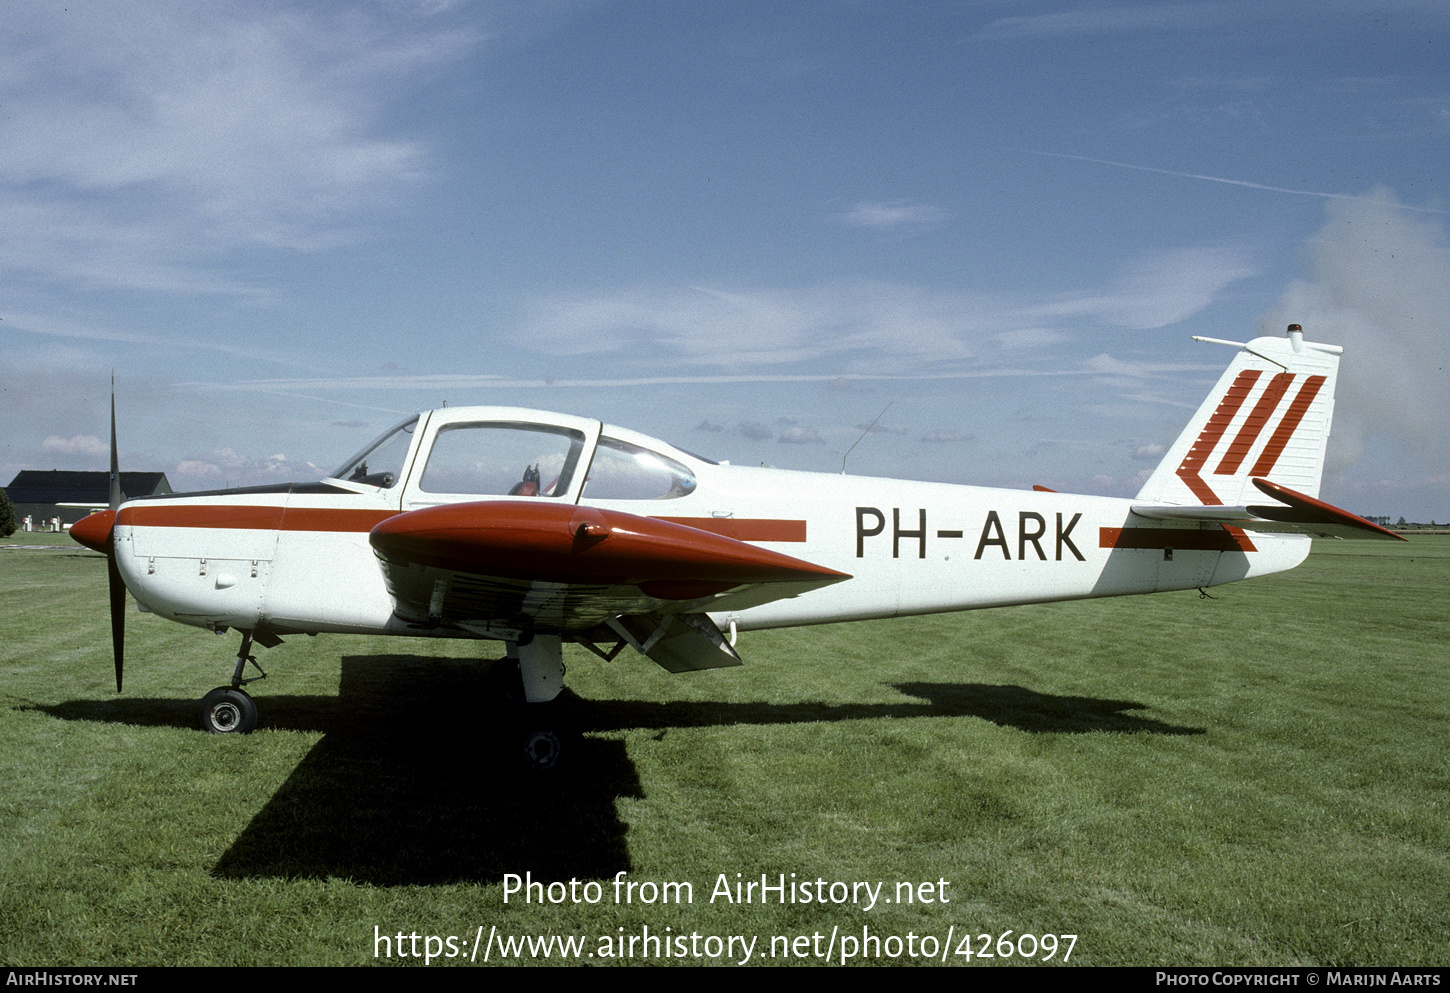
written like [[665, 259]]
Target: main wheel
[[228, 711], [541, 749]]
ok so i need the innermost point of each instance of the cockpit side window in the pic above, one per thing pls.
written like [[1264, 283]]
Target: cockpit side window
[[622, 471], [381, 463], [503, 458]]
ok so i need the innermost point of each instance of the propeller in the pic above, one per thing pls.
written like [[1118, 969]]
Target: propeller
[[96, 532], [113, 572]]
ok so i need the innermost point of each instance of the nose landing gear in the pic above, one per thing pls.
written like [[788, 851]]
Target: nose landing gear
[[229, 709]]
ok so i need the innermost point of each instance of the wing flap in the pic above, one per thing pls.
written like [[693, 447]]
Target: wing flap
[[677, 642]]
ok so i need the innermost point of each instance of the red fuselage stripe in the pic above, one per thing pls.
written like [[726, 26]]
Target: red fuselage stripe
[[202, 516], [252, 518], [324, 519], [317, 519], [1188, 539]]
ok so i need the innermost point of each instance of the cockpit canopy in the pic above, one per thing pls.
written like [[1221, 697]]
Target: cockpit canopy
[[490, 457]]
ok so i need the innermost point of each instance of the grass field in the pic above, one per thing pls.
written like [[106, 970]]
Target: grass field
[[1259, 778]]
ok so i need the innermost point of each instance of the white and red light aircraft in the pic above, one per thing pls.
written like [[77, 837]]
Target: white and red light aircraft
[[537, 529]]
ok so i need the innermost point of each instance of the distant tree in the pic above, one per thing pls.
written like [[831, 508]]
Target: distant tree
[[7, 515], [1400, 523]]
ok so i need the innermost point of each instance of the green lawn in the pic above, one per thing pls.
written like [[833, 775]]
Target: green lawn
[[1259, 778]]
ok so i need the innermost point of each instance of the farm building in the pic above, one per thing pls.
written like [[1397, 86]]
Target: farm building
[[39, 493]]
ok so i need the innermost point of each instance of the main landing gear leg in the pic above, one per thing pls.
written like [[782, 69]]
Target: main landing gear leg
[[229, 709], [537, 731]]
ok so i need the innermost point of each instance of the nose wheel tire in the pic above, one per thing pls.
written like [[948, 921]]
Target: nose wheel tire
[[228, 711]]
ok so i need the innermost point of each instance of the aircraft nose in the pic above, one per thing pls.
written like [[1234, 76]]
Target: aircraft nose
[[95, 531]]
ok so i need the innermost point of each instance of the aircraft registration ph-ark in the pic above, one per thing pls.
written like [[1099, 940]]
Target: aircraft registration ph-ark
[[536, 529]]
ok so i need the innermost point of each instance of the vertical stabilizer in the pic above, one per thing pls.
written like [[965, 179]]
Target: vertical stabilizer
[[1268, 417]]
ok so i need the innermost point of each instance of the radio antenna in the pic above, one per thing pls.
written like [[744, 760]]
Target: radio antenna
[[863, 435]]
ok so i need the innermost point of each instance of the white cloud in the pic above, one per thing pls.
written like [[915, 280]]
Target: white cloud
[[890, 215], [1159, 289], [55, 324], [1030, 338], [882, 427], [877, 326], [798, 435], [747, 327], [135, 140], [81, 444], [1378, 283], [1124, 19], [1105, 365], [225, 467]]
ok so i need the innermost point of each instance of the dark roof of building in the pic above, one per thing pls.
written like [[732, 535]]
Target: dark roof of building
[[65, 486]]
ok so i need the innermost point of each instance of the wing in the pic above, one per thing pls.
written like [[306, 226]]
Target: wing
[[505, 569], [1296, 513]]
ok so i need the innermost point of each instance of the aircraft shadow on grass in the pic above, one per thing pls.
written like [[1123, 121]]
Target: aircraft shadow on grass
[[410, 784]]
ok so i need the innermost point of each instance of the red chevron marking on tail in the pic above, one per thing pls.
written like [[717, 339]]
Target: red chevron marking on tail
[[1288, 426], [1208, 439], [1254, 425]]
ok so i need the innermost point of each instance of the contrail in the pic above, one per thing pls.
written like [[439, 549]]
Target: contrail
[[288, 387], [1235, 182]]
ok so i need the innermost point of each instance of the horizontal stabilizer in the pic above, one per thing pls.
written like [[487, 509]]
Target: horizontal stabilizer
[[1296, 514]]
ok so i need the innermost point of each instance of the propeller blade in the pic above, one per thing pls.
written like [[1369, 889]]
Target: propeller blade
[[113, 572], [118, 615], [116, 496]]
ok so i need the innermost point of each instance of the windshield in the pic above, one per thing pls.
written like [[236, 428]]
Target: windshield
[[380, 464]]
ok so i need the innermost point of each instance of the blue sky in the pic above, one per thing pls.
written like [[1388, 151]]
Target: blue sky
[[746, 228]]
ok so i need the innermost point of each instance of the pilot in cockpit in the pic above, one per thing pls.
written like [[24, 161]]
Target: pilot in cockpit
[[529, 485]]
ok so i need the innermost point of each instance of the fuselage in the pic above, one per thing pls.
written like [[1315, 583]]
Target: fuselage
[[297, 558]]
